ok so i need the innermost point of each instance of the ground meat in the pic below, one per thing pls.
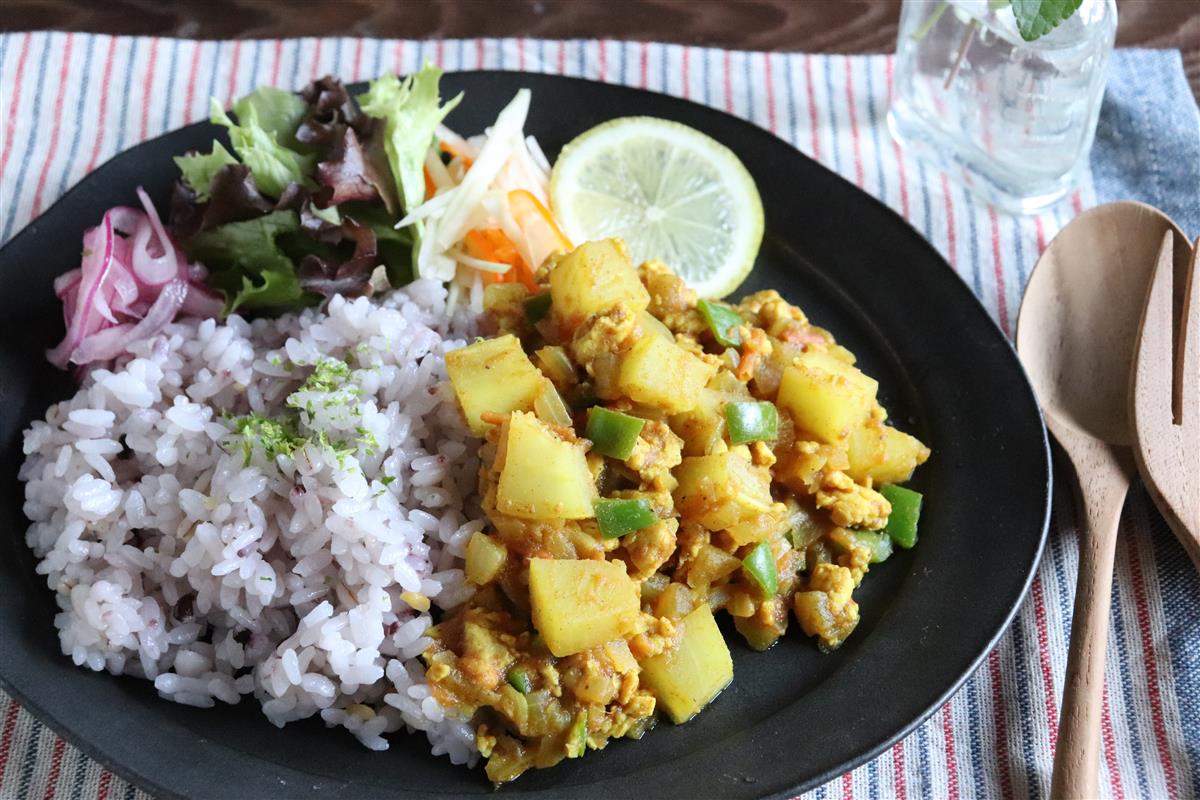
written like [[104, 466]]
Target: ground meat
[[851, 505], [649, 548], [669, 295], [657, 451], [827, 609]]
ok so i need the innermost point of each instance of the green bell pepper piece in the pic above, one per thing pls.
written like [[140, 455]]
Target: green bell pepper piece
[[518, 678], [537, 307], [759, 564], [906, 510], [723, 321], [613, 433], [619, 517], [751, 421]]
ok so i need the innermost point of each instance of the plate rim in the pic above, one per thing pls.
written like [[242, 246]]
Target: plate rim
[[62, 727]]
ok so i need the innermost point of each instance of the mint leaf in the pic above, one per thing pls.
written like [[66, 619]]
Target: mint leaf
[[1036, 18], [199, 168]]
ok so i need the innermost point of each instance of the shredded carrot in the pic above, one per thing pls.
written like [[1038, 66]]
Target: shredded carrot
[[542, 233], [528, 210], [446, 147], [491, 244], [430, 186]]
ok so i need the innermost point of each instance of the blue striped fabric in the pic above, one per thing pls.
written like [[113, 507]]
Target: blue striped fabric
[[67, 102]]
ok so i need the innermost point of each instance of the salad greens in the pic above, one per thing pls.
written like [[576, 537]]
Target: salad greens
[[303, 202], [411, 113], [199, 168]]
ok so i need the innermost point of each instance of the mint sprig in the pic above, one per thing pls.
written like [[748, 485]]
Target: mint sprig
[[1036, 18]]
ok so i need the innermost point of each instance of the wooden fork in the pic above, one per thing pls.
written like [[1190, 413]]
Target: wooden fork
[[1165, 396]]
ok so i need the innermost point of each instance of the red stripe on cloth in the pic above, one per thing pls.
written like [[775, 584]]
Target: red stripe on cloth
[[951, 755], [277, 52], [949, 221], [770, 91], [105, 780], [602, 66], [479, 54], [10, 126], [521, 55], [398, 56], [52, 149], [1077, 202], [562, 57], [104, 81], [439, 53], [896, 146], [148, 94], [1110, 751], [903, 180], [316, 62], [898, 771], [356, 70], [1001, 300], [1043, 637], [728, 85], [684, 68], [1142, 602], [1041, 233], [1001, 723], [847, 784], [6, 735], [189, 93], [858, 162], [56, 759], [812, 106], [645, 64], [231, 89]]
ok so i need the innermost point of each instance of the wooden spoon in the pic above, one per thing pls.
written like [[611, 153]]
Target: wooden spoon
[[1075, 336], [1165, 393]]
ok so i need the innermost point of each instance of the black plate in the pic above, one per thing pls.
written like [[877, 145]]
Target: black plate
[[793, 717]]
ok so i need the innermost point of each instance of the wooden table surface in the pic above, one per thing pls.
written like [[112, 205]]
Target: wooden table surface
[[846, 26]]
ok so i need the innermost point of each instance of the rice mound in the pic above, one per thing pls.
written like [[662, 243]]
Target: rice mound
[[194, 540]]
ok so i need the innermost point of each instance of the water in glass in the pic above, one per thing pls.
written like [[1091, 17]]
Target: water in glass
[[1014, 120]]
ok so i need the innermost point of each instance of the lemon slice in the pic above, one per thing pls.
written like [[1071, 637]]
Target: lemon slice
[[669, 191]]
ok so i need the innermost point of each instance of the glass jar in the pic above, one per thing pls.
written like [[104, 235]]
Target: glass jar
[[1013, 120]]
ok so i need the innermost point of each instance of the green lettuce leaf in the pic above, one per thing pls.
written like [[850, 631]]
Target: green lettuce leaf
[[247, 263], [411, 112], [272, 165], [278, 289], [395, 247], [199, 168], [276, 111]]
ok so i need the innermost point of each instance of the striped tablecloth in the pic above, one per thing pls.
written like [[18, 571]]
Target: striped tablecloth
[[68, 102]]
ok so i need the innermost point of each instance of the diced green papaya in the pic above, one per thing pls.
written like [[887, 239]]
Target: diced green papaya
[[593, 278], [493, 375], [581, 604], [661, 374], [542, 476], [686, 679], [825, 396], [721, 490]]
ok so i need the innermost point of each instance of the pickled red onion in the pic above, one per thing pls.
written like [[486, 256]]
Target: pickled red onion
[[131, 283]]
